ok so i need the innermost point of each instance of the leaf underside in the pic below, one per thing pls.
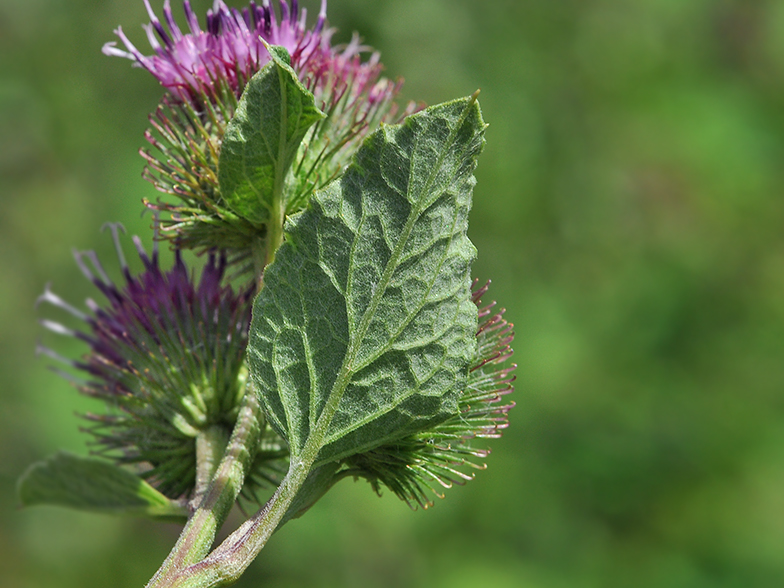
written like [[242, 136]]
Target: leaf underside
[[365, 329], [423, 465], [88, 483], [262, 139]]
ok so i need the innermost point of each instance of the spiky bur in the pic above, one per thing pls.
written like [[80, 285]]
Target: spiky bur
[[419, 464], [205, 72], [166, 356]]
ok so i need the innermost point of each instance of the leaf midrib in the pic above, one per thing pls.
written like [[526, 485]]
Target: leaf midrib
[[317, 434], [372, 416], [277, 193]]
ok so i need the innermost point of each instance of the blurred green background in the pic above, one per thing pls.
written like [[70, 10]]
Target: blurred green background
[[629, 211]]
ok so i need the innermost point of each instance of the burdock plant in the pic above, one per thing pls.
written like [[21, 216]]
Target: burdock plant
[[334, 330]]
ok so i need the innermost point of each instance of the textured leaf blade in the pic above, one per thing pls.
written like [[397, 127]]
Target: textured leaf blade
[[87, 483], [261, 141], [365, 327]]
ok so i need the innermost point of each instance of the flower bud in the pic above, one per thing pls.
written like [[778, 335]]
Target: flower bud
[[166, 356]]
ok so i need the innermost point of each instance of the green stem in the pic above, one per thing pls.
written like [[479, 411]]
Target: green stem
[[199, 533], [210, 447], [231, 558], [275, 230]]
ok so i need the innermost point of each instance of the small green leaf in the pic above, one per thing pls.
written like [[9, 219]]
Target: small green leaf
[[88, 483], [262, 139], [365, 328]]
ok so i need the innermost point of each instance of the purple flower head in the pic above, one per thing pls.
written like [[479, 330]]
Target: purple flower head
[[205, 70], [230, 48], [166, 356]]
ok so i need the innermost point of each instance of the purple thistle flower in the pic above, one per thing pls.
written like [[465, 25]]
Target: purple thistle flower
[[438, 457], [194, 66], [205, 70], [229, 50], [166, 356]]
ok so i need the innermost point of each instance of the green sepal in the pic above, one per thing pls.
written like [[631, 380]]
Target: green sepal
[[262, 139], [92, 484]]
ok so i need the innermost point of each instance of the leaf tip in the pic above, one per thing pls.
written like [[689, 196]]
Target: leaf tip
[[278, 54]]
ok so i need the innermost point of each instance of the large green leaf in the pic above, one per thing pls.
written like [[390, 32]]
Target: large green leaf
[[365, 328], [262, 139], [88, 483]]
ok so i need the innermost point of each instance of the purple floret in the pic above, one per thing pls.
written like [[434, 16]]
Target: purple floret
[[231, 48]]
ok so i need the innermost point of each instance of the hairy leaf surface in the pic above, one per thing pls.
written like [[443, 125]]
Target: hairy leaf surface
[[365, 327], [93, 484], [262, 139]]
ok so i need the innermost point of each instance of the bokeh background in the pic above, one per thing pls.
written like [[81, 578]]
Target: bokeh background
[[629, 211]]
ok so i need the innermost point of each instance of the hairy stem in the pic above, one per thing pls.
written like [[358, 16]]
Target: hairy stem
[[231, 558], [199, 533], [275, 229], [210, 447]]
